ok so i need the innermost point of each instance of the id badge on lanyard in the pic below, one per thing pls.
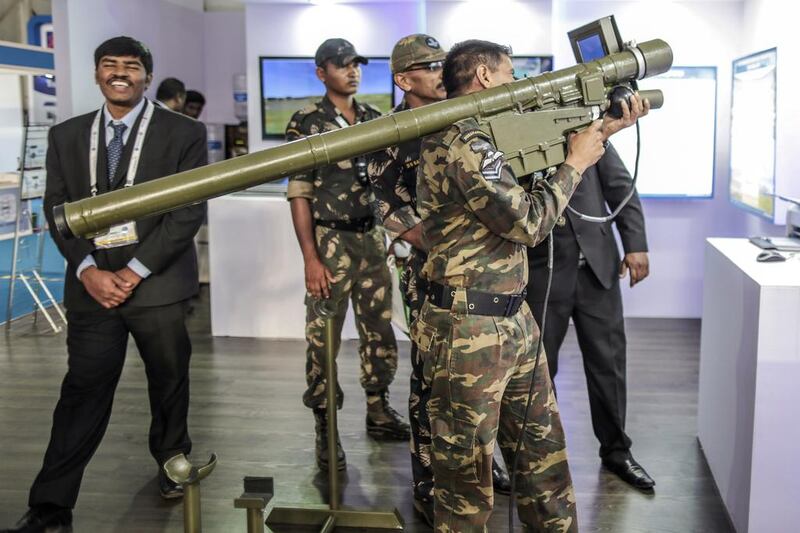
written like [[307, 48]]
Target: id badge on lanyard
[[123, 234]]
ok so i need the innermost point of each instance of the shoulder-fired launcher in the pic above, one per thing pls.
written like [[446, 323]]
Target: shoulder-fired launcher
[[529, 120]]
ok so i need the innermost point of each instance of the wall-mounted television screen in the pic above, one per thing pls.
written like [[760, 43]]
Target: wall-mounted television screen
[[530, 66], [676, 161], [291, 83], [753, 112]]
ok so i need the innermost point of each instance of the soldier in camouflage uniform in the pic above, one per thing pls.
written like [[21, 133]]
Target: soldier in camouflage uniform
[[476, 335], [344, 253], [416, 64]]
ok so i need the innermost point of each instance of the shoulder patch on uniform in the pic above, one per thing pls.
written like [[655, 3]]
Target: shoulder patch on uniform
[[470, 135], [468, 130], [492, 164], [303, 114], [373, 108]]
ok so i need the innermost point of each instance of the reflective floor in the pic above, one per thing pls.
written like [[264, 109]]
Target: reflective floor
[[246, 406]]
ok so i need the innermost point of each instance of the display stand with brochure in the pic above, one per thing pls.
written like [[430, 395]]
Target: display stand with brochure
[[18, 222]]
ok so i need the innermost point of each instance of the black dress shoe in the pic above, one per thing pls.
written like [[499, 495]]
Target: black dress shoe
[[500, 480], [169, 489], [630, 472], [424, 508], [44, 519], [423, 501]]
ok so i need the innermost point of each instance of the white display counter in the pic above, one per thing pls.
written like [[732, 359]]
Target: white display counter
[[749, 387], [256, 270]]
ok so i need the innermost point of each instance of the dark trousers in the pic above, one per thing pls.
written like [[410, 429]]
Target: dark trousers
[[419, 390], [96, 345], [599, 325]]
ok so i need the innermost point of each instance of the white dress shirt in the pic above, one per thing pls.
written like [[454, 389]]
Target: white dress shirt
[[129, 120]]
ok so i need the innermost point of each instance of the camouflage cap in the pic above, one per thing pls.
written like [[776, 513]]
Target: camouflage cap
[[340, 51], [414, 50]]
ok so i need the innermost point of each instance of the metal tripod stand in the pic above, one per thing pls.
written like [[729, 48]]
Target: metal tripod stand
[[327, 519]]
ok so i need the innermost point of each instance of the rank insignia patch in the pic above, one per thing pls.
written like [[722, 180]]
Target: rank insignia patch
[[492, 165]]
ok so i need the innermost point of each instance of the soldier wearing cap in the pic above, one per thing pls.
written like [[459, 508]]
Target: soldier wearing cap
[[416, 64], [343, 252]]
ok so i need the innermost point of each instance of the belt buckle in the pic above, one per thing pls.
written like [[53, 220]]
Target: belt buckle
[[512, 302], [509, 304]]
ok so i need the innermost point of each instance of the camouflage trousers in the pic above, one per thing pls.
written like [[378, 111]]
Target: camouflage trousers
[[358, 264], [480, 369], [420, 443]]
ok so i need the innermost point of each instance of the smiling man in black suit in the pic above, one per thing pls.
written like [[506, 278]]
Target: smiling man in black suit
[[134, 280]]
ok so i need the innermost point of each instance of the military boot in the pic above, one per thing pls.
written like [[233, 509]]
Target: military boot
[[383, 422], [321, 443]]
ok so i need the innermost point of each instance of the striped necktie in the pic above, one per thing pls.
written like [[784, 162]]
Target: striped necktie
[[114, 150]]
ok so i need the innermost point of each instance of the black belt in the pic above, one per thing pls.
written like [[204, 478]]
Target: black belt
[[360, 225], [478, 303]]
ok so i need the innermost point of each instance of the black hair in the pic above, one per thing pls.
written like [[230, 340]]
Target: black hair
[[464, 58], [170, 88], [124, 46], [195, 97]]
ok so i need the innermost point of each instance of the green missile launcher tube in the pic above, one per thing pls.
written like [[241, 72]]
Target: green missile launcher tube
[[580, 91]]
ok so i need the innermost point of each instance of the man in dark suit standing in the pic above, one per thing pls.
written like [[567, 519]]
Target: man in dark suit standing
[[134, 280], [586, 273]]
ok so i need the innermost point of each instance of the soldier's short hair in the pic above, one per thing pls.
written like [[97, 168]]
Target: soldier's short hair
[[464, 58], [124, 46]]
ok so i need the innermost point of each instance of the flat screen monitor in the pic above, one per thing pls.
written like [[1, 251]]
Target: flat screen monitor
[[753, 121], [530, 66], [290, 83], [678, 140]]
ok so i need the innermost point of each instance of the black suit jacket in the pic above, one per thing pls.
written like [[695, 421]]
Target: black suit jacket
[[604, 186], [173, 143]]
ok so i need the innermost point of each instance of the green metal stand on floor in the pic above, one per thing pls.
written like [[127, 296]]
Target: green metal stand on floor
[[328, 518], [181, 471]]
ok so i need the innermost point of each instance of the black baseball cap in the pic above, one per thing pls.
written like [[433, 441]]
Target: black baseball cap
[[340, 51]]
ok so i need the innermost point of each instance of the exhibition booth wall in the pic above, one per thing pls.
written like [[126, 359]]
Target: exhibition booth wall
[[710, 33], [701, 34]]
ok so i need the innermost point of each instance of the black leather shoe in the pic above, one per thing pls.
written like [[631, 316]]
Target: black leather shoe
[[630, 472], [424, 508], [44, 519], [500, 480], [169, 489]]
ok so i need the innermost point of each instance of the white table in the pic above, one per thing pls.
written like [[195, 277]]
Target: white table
[[749, 397]]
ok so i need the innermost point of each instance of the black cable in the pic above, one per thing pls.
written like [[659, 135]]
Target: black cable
[[623, 203], [512, 496]]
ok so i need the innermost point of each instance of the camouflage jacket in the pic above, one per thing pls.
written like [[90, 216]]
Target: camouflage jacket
[[393, 176], [336, 192], [477, 219]]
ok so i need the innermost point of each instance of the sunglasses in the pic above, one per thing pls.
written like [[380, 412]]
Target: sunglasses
[[430, 67]]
